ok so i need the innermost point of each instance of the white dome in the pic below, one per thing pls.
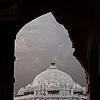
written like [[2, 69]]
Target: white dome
[[77, 88], [53, 78], [29, 88], [21, 91]]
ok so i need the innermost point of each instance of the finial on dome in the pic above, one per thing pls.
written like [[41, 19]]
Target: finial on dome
[[52, 66], [52, 63]]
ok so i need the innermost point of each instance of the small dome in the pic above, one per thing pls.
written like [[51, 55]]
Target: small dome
[[29, 88], [52, 77], [21, 91], [77, 88]]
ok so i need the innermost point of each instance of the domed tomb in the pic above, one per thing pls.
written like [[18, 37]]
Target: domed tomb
[[52, 80]]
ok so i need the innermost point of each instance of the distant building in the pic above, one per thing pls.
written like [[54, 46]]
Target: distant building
[[52, 84]]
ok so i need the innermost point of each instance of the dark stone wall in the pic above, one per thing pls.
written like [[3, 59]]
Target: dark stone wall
[[7, 58], [81, 18]]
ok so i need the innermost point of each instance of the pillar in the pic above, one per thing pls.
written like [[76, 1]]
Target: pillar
[[94, 77], [7, 58]]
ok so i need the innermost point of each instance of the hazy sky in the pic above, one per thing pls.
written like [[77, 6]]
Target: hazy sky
[[39, 43]]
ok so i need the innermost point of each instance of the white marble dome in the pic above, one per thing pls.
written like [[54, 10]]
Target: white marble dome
[[21, 91], [53, 78], [29, 88], [77, 88]]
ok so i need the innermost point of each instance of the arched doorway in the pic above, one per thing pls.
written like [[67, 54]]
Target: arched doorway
[[48, 37], [79, 16]]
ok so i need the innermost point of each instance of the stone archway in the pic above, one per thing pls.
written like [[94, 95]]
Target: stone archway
[[75, 18], [80, 18]]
